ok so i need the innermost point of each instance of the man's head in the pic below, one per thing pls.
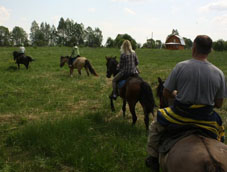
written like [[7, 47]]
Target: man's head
[[202, 45]]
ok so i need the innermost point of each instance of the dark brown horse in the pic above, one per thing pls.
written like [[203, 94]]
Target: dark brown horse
[[78, 63], [193, 153], [22, 59], [134, 90]]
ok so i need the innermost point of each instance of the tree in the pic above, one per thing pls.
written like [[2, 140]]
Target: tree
[[93, 38], [158, 44], [175, 32], [33, 32], [19, 36], [219, 45], [120, 39], [4, 36], [109, 43], [149, 44], [188, 43], [61, 31], [53, 36]]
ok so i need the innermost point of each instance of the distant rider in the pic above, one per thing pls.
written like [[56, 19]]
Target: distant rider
[[75, 53], [127, 66]]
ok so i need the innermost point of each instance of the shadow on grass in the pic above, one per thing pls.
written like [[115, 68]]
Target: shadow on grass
[[12, 68], [88, 143]]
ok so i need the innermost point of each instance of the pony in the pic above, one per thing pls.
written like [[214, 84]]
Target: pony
[[193, 152], [134, 90], [78, 63], [22, 59]]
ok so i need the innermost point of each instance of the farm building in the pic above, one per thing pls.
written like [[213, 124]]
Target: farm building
[[174, 42]]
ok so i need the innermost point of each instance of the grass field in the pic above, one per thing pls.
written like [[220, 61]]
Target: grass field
[[52, 122]]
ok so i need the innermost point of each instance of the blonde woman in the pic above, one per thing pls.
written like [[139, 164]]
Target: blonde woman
[[127, 65]]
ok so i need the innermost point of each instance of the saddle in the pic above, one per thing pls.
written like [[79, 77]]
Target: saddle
[[121, 83], [173, 134]]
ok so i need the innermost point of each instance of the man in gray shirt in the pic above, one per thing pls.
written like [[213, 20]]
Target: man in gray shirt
[[192, 82]]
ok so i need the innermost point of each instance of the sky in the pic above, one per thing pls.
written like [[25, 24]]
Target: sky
[[142, 19]]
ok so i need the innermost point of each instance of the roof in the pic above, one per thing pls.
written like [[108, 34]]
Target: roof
[[180, 38]]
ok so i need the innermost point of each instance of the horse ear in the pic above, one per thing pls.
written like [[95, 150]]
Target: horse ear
[[106, 57], [159, 80], [115, 57]]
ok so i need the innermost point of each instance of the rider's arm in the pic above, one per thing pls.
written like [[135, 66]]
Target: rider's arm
[[169, 94], [218, 103]]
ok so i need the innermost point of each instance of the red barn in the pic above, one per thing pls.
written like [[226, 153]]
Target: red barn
[[174, 42]]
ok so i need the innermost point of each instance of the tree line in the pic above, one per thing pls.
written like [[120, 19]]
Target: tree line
[[69, 33]]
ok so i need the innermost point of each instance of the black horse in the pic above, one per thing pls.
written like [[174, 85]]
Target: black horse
[[21, 59], [134, 90]]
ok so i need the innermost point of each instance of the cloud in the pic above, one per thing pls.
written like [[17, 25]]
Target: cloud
[[91, 10], [215, 6], [129, 11], [4, 15], [220, 20]]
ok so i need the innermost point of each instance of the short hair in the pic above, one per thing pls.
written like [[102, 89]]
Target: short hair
[[203, 44]]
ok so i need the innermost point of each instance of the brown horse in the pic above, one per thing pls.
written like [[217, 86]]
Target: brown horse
[[134, 90], [194, 153], [78, 63]]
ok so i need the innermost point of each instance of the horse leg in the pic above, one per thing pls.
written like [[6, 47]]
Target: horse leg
[[146, 118], [87, 71], [71, 72], [112, 105], [79, 71], [132, 105], [18, 66], [26, 65], [124, 107]]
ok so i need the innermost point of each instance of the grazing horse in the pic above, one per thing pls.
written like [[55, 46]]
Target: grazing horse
[[134, 90], [193, 153], [78, 63], [20, 59]]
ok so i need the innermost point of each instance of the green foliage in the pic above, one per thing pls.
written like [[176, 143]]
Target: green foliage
[[188, 43], [220, 45], [117, 42], [19, 36], [4, 36]]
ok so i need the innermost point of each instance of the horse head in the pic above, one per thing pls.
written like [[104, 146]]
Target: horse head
[[63, 60], [163, 101], [112, 66]]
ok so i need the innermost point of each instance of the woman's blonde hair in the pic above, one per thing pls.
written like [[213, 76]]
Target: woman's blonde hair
[[126, 47]]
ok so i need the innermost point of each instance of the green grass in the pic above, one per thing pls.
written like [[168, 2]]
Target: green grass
[[52, 122]]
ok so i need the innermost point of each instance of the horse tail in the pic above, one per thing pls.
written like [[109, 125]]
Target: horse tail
[[146, 97], [30, 59], [91, 69], [213, 165], [15, 54]]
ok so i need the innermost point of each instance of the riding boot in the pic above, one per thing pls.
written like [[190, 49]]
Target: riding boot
[[153, 163]]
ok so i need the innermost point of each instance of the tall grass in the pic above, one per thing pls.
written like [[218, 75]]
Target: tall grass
[[52, 122]]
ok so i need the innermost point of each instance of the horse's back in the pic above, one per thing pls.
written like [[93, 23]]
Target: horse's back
[[79, 62], [132, 86], [191, 155]]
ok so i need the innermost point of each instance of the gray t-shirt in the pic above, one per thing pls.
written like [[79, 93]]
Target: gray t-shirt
[[197, 82]]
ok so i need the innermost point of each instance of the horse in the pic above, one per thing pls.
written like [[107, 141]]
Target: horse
[[134, 90], [194, 153], [22, 59], [78, 63]]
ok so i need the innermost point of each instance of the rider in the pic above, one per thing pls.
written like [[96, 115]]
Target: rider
[[127, 65], [197, 86], [21, 51], [75, 53]]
